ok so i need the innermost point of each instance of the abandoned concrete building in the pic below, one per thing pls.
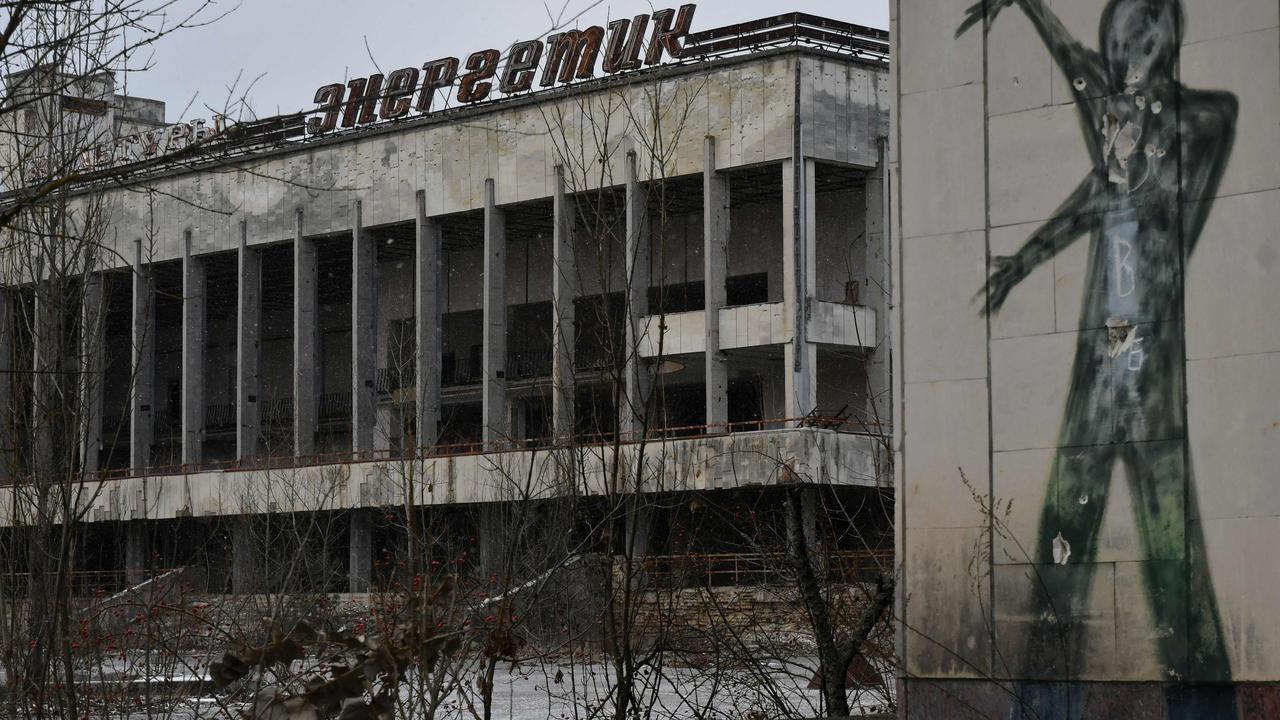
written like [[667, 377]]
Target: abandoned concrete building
[[687, 259]]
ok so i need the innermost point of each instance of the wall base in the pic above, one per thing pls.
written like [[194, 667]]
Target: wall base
[[926, 699]]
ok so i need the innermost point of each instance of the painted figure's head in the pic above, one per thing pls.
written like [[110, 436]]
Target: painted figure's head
[[1140, 40]]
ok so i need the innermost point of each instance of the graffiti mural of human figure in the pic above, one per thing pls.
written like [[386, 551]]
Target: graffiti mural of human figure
[[1158, 151]]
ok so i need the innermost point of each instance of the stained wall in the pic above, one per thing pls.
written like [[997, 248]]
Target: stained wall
[[1087, 470]]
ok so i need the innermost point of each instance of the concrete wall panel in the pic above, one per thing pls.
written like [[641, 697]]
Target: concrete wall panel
[[942, 183], [947, 475], [946, 338], [1020, 72], [1247, 65], [1241, 552], [1233, 406], [1233, 277], [945, 604], [1208, 21], [1037, 159], [1026, 378], [938, 59], [1144, 506]]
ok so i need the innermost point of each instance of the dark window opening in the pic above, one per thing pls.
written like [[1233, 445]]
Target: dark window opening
[[747, 289], [681, 297]]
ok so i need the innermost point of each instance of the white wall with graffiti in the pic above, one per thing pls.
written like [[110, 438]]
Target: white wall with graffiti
[[1088, 265]]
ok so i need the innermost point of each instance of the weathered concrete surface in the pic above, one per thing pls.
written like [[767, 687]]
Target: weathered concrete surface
[[757, 326], [726, 461], [748, 104], [1173, 578]]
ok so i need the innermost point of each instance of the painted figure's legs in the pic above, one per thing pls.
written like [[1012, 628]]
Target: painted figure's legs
[[1070, 518], [1179, 587], [1063, 562], [1158, 481]]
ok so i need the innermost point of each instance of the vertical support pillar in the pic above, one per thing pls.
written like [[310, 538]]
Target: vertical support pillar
[[428, 306], [93, 314], [715, 259], [491, 546], [564, 290], [193, 335], [8, 453], [143, 341], [248, 335], [246, 553], [876, 293], [360, 548], [46, 373], [364, 337], [137, 551], [639, 526], [799, 261], [636, 393], [809, 518], [494, 390], [306, 343]]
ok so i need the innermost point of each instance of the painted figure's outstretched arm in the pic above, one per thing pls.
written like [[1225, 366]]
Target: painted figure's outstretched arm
[[1082, 66], [1081, 213]]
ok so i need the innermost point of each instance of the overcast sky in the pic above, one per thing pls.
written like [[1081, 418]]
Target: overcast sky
[[296, 46]]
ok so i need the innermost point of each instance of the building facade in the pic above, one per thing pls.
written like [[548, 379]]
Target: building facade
[[1086, 368], [687, 262]]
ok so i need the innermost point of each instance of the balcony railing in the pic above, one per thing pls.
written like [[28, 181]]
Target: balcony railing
[[335, 406], [794, 28], [713, 570], [457, 370], [529, 363], [221, 416]]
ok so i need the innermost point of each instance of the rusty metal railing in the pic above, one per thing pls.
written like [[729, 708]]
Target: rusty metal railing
[[84, 583], [713, 570], [794, 28]]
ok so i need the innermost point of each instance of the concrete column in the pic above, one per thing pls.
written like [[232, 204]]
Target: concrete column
[[364, 336], [516, 414], [193, 335], [715, 262], [143, 341], [92, 365], [799, 263], [636, 393], [494, 390], [639, 526], [491, 545], [8, 452], [809, 518], [360, 547], [46, 369], [564, 290], [137, 551], [428, 308], [306, 343], [248, 337], [877, 292], [246, 556]]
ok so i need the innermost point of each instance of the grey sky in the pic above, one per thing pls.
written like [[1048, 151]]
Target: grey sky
[[298, 46]]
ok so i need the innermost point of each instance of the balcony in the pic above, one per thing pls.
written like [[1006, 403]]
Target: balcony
[[759, 325], [713, 460]]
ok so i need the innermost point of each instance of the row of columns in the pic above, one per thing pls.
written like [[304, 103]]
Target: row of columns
[[799, 265]]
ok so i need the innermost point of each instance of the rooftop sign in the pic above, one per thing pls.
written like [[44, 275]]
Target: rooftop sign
[[564, 57]]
